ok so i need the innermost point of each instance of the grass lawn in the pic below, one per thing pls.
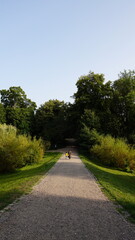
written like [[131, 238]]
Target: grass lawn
[[118, 185], [15, 184]]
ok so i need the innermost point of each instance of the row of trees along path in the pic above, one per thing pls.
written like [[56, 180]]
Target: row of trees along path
[[67, 204]]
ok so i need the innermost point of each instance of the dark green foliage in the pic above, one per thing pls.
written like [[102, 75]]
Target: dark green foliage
[[72, 120], [21, 118], [16, 97], [89, 92], [90, 119], [113, 103], [2, 114], [50, 122], [89, 124], [88, 137], [123, 105], [18, 108]]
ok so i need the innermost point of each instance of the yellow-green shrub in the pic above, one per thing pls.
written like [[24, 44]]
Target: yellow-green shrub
[[112, 152], [120, 154], [7, 129], [34, 151], [104, 150], [10, 155], [17, 150], [131, 159]]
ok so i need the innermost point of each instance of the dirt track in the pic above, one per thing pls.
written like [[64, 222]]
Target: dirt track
[[66, 205]]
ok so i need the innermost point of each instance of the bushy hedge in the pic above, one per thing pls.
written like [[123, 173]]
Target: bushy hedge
[[18, 150], [34, 151], [114, 152]]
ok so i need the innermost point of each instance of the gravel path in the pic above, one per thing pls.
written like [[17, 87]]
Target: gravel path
[[66, 205]]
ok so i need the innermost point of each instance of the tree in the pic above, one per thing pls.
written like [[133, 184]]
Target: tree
[[19, 109], [94, 95], [90, 119], [50, 122], [16, 97], [89, 92], [89, 127], [21, 118], [123, 103], [72, 120]]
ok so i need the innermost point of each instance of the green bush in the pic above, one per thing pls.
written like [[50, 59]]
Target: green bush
[[120, 154], [114, 152], [17, 150], [10, 155], [104, 149], [34, 151], [7, 129], [131, 159]]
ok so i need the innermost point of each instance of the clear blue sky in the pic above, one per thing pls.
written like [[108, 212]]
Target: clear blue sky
[[46, 45]]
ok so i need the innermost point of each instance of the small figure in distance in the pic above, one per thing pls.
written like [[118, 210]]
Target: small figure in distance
[[66, 154], [69, 154]]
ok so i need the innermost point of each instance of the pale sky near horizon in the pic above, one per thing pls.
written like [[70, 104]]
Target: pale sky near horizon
[[46, 45]]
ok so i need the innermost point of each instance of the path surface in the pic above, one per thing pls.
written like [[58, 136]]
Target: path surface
[[66, 205]]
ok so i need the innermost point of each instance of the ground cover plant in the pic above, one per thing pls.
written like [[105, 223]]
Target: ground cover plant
[[13, 185], [118, 185]]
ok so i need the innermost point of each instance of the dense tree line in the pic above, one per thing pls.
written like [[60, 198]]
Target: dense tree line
[[99, 106], [107, 107]]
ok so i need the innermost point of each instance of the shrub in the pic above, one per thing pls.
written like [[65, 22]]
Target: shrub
[[34, 151], [131, 159], [17, 150], [120, 154], [104, 150], [112, 152], [10, 155], [7, 129]]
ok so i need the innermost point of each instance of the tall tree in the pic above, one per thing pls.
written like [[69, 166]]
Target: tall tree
[[89, 92], [19, 109], [123, 103], [16, 97], [50, 122], [95, 95]]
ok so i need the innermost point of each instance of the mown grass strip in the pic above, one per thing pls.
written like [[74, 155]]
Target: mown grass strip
[[118, 185], [13, 185]]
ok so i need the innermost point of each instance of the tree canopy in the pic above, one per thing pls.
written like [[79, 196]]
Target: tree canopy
[[50, 122], [16, 97], [18, 109], [99, 106]]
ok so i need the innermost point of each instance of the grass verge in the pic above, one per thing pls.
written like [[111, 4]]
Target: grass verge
[[13, 185], [117, 185]]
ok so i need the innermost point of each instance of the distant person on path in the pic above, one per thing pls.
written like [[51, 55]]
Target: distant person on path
[[66, 154], [69, 154]]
